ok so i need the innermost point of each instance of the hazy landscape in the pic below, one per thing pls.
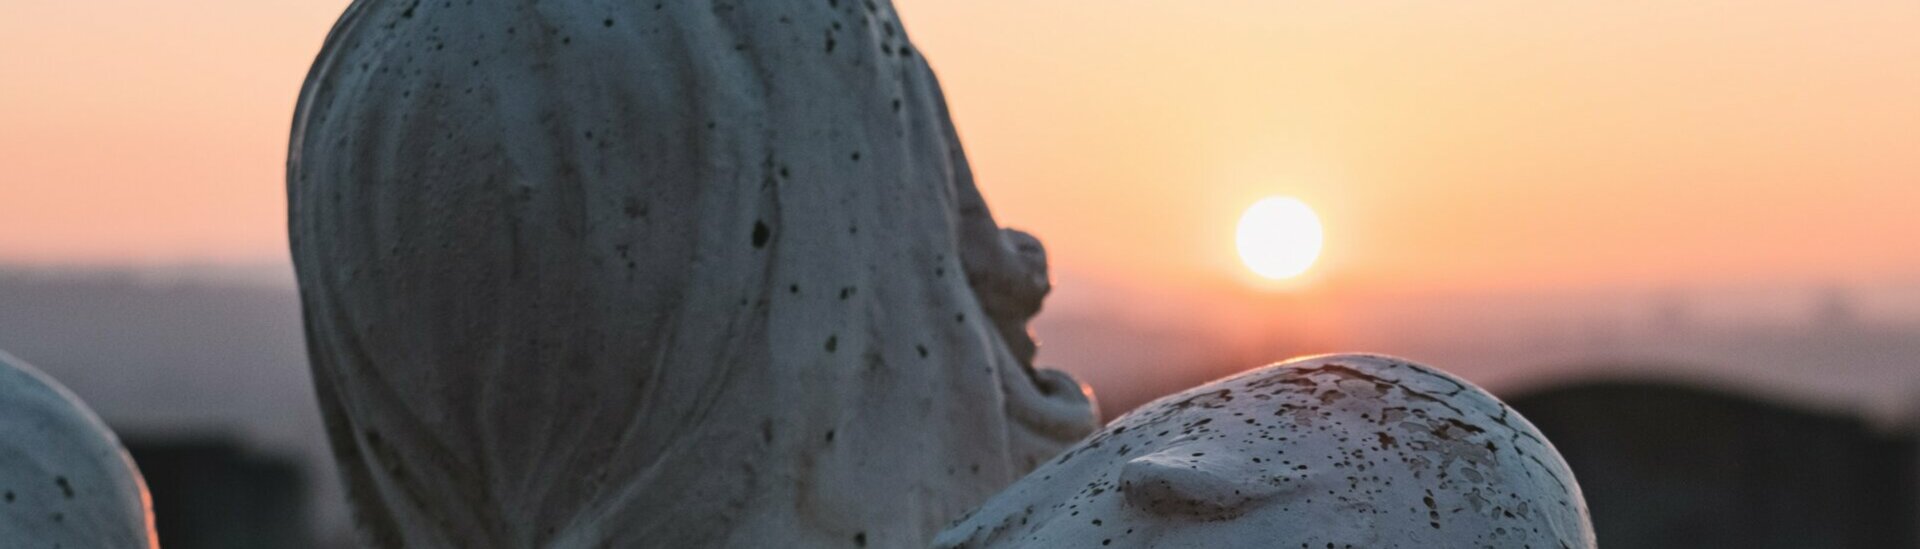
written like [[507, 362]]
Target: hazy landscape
[[199, 352]]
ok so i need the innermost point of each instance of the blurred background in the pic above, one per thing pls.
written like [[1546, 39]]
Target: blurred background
[[1684, 239]]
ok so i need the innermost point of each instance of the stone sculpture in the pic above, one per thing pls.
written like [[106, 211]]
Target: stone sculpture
[[1330, 451], [64, 479], [657, 274], [716, 274]]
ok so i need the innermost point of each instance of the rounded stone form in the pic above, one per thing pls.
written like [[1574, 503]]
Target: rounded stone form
[[1327, 451], [64, 479], [658, 274]]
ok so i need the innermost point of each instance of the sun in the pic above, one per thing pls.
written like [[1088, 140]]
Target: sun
[[1279, 237]]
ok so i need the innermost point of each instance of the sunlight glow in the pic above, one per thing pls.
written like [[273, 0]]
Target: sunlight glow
[[1279, 237]]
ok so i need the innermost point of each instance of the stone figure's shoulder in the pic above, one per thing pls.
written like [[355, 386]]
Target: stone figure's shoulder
[[1336, 450]]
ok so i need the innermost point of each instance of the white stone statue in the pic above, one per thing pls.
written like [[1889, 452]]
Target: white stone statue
[[64, 479], [1330, 451], [716, 274], [657, 274]]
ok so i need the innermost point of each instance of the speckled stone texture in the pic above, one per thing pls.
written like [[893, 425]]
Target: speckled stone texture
[[1341, 451], [657, 274], [64, 479]]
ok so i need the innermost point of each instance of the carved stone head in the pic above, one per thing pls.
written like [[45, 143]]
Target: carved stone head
[[676, 274]]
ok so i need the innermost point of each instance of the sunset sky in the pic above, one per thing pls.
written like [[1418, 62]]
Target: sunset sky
[[1447, 146], [1717, 194]]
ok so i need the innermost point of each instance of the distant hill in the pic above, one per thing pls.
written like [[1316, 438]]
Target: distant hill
[[1669, 465]]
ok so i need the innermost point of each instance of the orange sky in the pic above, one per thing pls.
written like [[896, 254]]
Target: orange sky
[[1448, 146]]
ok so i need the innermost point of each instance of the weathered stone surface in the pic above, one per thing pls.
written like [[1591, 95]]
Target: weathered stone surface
[[64, 479], [1330, 451], [663, 274]]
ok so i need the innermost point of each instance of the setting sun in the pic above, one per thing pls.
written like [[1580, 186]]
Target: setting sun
[[1279, 237]]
